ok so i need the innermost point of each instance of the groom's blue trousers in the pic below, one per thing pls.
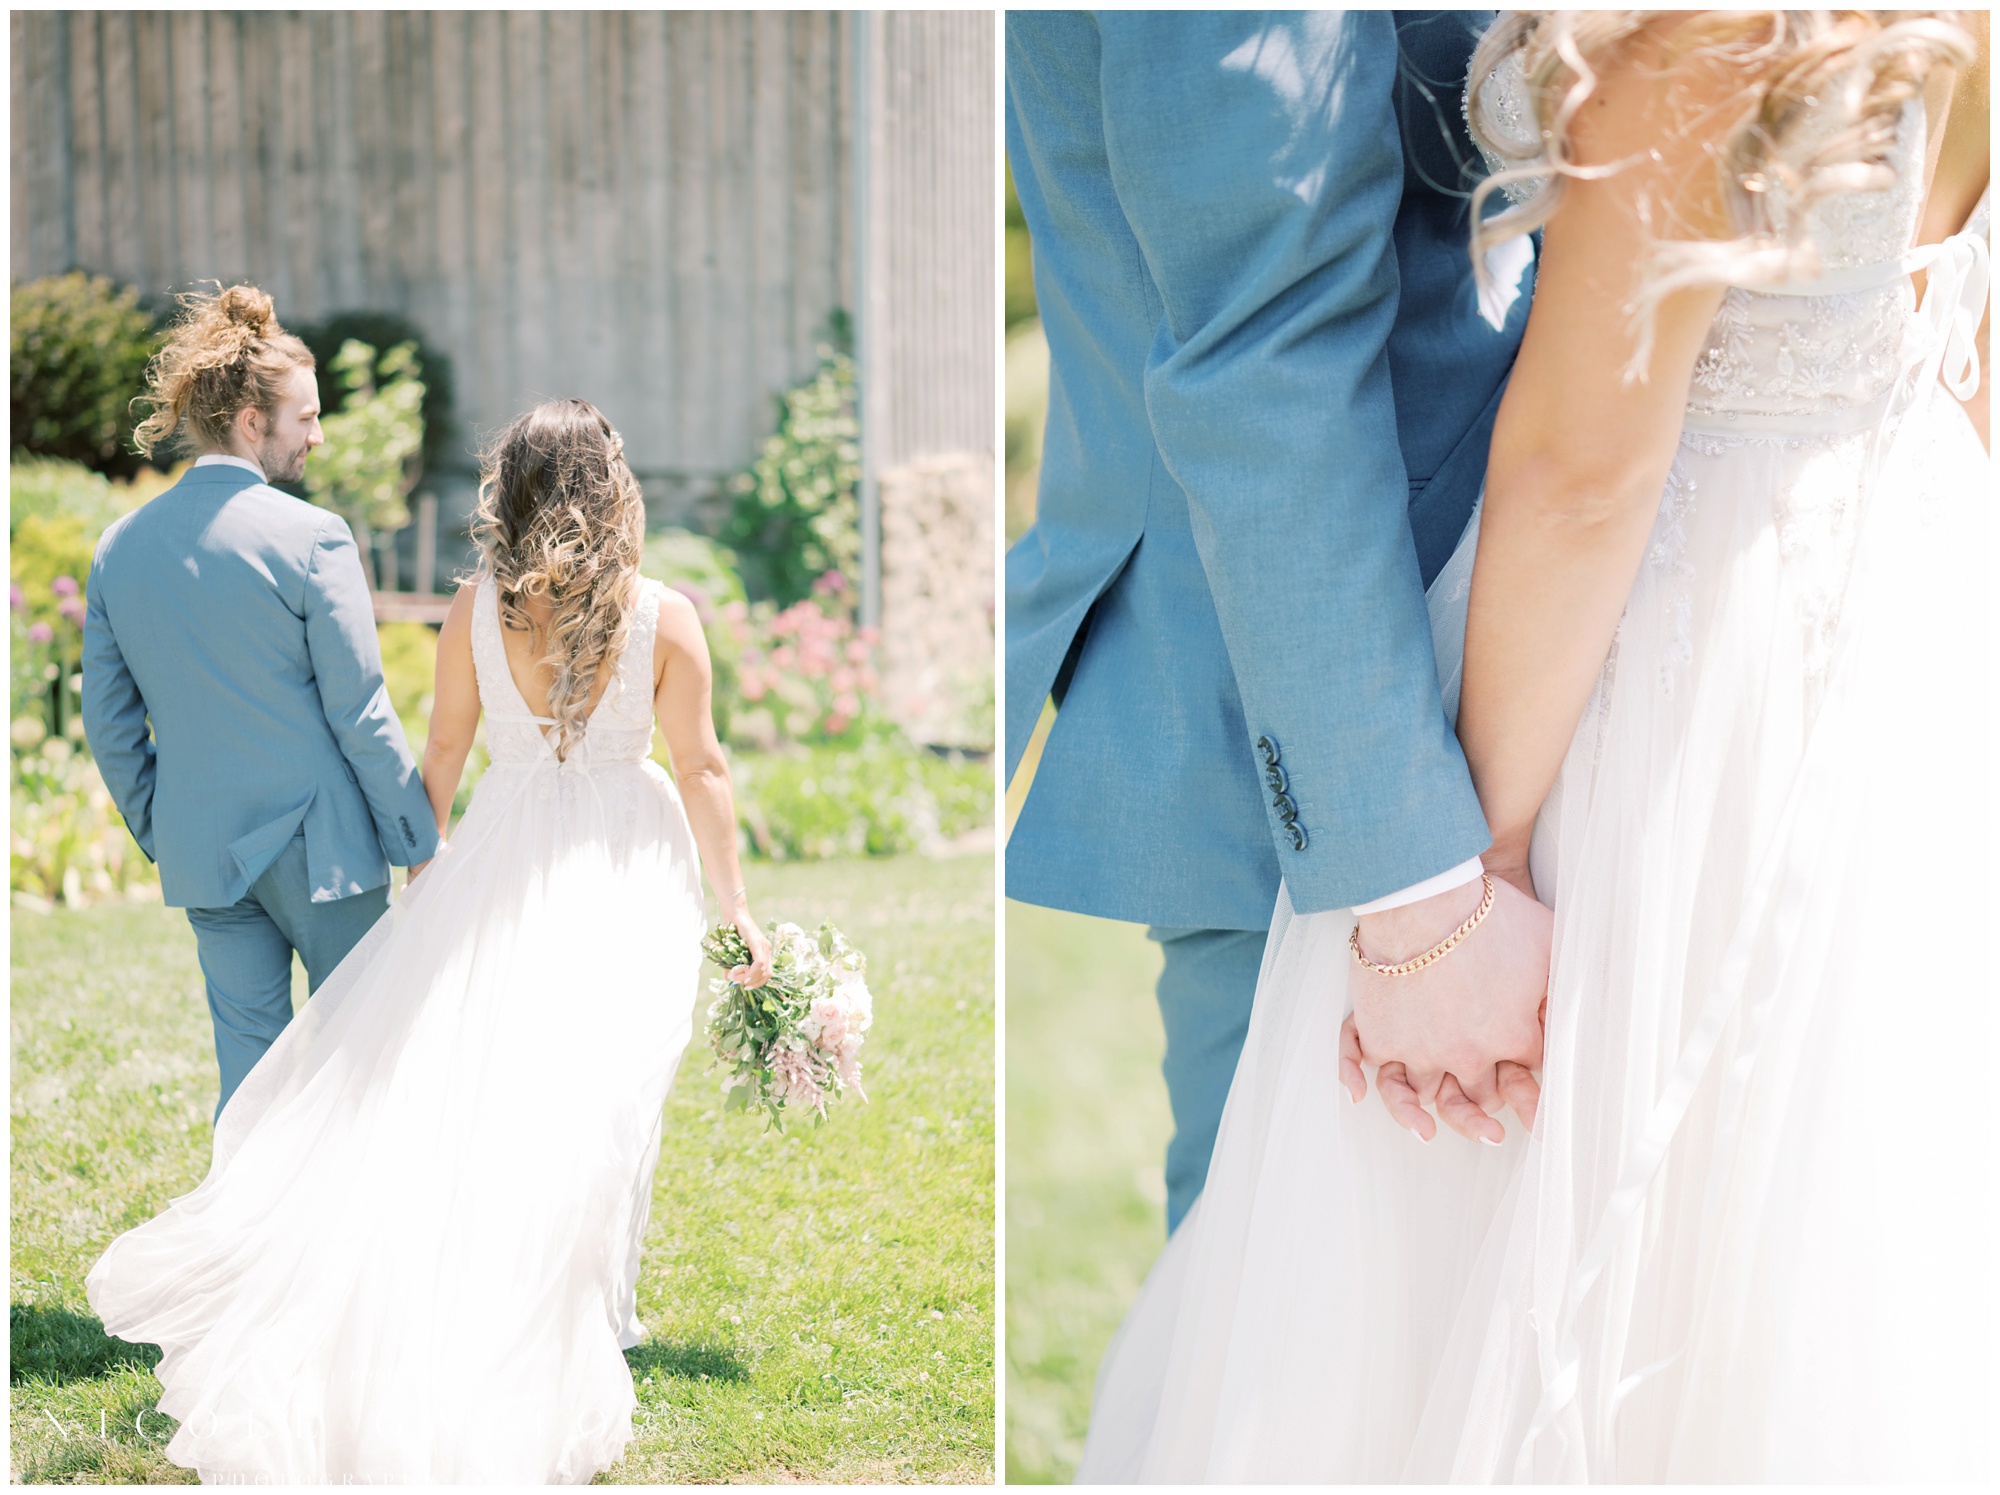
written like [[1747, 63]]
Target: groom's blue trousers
[[246, 956], [1206, 985]]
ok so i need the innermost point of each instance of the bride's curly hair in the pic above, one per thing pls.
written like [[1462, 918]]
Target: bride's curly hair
[[561, 518], [1817, 116], [225, 351]]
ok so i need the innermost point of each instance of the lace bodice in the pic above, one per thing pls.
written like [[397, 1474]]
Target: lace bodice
[[1825, 357], [620, 726]]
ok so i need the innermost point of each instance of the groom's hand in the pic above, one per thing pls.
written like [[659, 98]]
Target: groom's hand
[[1463, 1032]]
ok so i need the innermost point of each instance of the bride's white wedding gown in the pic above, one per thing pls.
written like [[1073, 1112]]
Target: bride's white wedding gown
[[415, 1255], [1753, 1235]]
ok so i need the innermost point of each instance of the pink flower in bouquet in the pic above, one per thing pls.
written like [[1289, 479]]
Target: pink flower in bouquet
[[40, 633], [64, 586], [793, 1078], [848, 1063], [830, 1015]]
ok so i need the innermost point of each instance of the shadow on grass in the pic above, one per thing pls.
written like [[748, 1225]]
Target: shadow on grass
[[60, 1346], [695, 1360]]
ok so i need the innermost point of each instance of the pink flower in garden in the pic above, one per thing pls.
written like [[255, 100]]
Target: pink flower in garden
[[15, 600], [64, 586], [871, 635], [847, 704], [751, 686], [857, 652], [40, 633], [836, 724], [782, 657], [830, 582], [736, 612], [73, 609], [868, 681], [843, 680]]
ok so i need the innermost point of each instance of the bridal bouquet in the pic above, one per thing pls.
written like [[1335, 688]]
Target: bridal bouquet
[[795, 1041]]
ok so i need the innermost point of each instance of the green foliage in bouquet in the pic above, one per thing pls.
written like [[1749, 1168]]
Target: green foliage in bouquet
[[795, 1040], [79, 348], [796, 514]]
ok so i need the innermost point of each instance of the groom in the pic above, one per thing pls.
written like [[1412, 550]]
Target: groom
[[1272, 386], [275, 786]]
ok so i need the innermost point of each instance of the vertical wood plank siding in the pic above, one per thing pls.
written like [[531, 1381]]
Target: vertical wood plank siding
[[932, 200], [655, 210]]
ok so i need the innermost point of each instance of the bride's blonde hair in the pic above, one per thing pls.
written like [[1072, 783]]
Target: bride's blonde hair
[[1822, 94], [561, 518]]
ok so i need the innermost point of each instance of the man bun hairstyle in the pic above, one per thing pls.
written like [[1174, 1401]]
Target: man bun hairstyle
[[224, 353]]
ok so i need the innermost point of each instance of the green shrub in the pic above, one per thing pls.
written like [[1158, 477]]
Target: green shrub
[[80, 345], [385, 331], [796, 514], [877, 799], [374, 442], [66, 839]]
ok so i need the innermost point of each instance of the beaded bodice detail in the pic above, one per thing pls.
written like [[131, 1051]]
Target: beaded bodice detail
[[620, 726], [1793, 355]]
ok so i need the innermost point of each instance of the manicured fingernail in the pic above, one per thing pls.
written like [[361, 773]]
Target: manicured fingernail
[[1354, 1097], [1418, 1135], [1490, 1141]]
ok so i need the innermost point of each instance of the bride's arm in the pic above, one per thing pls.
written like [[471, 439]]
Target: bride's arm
[[454, 709], [687, 720], [1579, 456]]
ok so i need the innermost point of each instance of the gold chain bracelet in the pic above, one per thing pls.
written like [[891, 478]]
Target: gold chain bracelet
[[1437, 951]]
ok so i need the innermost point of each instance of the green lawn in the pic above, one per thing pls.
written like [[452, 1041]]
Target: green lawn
[[821, 1303], [1087, 1128]]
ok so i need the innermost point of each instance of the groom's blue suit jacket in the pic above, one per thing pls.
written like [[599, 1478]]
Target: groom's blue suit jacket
[[1272, 386], [237, 620]]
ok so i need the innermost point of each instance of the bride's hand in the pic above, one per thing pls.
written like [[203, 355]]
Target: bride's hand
[[758, 971], [1462, 1033]]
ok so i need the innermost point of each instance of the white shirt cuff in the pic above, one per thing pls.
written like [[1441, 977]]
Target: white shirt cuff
[[1457, 877]]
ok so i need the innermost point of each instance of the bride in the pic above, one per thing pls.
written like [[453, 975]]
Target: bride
[[1717, 644], [415, 1256]]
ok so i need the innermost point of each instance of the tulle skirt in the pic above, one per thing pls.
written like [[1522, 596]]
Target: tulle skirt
[[1753, 1235], [414, 1258]]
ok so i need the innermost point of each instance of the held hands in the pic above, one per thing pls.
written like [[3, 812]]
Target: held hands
[[1462, 1033]]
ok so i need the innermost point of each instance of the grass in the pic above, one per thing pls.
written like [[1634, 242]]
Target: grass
[[1087, 1129], [820, 1303]]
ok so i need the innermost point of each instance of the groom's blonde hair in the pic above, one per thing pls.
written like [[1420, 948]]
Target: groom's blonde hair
[[224, 353]]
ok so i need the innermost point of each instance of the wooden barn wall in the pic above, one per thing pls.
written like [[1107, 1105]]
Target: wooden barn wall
[[933, 199], [653, 210]]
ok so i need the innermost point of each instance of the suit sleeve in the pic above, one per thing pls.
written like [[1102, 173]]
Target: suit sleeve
[[1259, 164], [114, 718], [347, 663]]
